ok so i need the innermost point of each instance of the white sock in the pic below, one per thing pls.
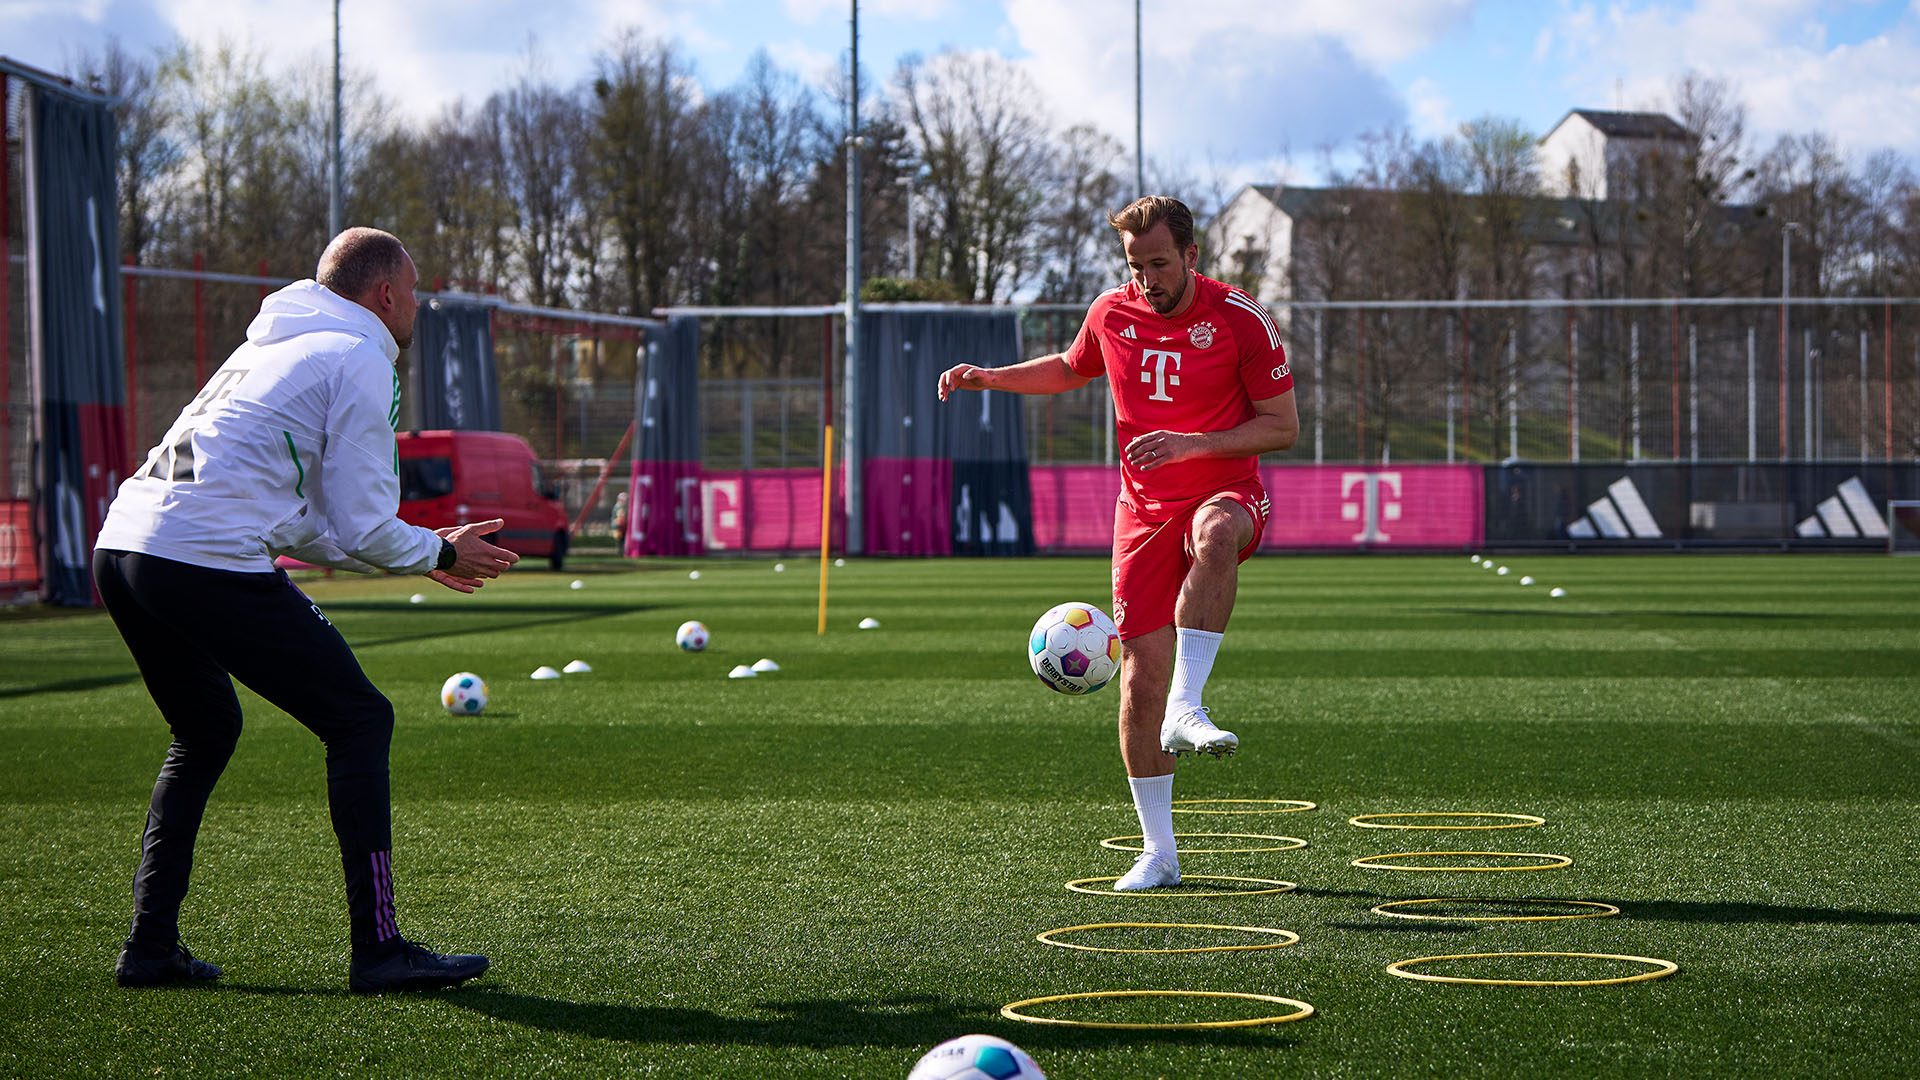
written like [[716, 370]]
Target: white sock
[[1192, 663], [1153, 802]]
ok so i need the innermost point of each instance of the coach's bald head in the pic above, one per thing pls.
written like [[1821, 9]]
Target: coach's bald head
[[372, 268]]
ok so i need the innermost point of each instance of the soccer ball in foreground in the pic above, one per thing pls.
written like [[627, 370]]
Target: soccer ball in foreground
[[691, 636], [1074, 648], [976, 1057], [464, 693]]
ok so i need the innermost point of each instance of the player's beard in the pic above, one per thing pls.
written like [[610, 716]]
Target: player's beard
[[1173, 301]]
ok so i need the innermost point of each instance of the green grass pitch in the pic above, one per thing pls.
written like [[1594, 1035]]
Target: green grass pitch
[[824, 871]]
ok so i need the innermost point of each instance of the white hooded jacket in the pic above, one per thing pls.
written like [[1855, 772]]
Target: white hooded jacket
[[288, 450]]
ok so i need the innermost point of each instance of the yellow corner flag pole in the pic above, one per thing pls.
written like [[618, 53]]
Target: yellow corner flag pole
[[826, 522]]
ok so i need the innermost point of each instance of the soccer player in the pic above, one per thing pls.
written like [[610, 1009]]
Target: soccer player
[[288, 450], [1200, 389]]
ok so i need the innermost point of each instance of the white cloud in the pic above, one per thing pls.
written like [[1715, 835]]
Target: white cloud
[[1431, 110], [90, 10], [431, 53], [1239, 80], [1774, 52], [812, 11]]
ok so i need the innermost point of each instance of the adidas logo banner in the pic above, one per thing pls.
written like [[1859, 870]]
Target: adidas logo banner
[[1846, 514], [1621, 514]]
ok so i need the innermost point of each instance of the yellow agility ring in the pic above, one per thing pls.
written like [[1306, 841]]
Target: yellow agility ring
[[1278, 887], [1371, 863], [1662, 968], [1292, 842], [1604, 910], [1290, 806], [1517, 821], [1302, 1010], [1048, 939]]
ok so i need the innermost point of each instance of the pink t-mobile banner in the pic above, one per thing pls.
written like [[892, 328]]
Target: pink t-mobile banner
[[1313, 506], [767, 510], [663, 516], [1366, 506]]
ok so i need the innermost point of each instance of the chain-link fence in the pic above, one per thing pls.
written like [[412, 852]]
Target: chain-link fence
[[1742, 380]]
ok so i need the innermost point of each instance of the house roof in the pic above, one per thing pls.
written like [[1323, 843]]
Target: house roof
[[1631, 125]]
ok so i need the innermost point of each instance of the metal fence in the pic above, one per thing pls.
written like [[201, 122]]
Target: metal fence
[[1747, 379]]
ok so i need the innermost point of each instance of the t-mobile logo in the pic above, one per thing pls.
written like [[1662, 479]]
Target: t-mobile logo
[[1369, 511], [1156, 360]]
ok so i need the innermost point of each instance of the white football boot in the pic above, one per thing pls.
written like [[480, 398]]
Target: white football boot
[[1193, 733], [1151, 869]]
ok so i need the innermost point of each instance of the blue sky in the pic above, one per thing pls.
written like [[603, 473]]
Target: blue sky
[[1236, 89]]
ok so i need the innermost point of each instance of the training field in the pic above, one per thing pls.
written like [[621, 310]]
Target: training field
[[824, 871]]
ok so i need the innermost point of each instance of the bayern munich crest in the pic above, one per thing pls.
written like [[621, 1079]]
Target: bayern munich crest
[[1201, 335]]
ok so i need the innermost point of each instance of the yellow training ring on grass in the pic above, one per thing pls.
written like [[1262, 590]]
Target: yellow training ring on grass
[[1662, 968], [1278, 887], [1046, 937], [1290, 806], [1292, 842], [1605, 910], [1303, 1010], [1371, 862], [1518, 821]]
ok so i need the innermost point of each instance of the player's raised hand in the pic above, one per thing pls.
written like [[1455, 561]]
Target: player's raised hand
[[963, 377], [475, 558]]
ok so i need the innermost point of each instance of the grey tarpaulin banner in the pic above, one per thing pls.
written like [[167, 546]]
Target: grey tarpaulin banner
[[455, 384], [942, 478], [663, 515], [82, 363]]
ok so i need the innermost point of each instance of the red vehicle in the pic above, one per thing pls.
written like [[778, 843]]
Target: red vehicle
[[453, 477]]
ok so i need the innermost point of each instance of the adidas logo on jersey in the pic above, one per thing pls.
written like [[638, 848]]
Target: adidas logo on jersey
[[1618, 515], [1128, 333], [1847, 515]]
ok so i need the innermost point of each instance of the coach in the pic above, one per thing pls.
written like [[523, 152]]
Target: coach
[[288, 450]]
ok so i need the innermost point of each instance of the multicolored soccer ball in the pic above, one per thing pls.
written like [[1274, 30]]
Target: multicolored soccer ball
[[976, 1057], [464, 693], [1074, 648], [691, 636]]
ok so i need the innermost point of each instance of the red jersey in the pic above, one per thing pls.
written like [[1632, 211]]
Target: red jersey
[[1199, 372]]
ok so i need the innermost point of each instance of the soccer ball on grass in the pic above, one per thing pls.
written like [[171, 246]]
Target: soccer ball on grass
[[464, 693], [1074, 648], [976, 1057], [692, 636]]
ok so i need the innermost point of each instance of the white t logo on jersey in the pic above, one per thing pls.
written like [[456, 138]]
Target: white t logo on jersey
[[1156, 359]]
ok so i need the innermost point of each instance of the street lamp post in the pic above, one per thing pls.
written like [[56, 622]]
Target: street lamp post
[[913, 266], [336, 181]]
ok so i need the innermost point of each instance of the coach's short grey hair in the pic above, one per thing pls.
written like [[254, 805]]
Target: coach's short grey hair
[[359, 259]]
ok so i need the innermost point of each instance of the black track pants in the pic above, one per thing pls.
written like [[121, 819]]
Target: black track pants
[[191, 631]]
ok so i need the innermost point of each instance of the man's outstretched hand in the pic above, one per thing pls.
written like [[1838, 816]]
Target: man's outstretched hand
[[476, 559], [963, 377]]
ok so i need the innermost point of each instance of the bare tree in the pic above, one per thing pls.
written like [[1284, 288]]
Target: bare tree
[[986, 151], [148, 153], [643, 126], [1079, 243], [537, 127]]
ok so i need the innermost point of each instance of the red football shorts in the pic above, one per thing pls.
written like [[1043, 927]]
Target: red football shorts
[[1151, 560]]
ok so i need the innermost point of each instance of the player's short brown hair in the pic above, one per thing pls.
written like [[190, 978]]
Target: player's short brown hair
[[1142, 214], [359, 259]]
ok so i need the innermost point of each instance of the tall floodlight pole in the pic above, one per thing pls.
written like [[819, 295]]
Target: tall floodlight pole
[[856, 519], [336, 202], [1139, 151], [1786, 289]]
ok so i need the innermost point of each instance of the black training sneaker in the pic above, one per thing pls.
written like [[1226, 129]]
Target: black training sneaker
[[402, 965], [141, 964]]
